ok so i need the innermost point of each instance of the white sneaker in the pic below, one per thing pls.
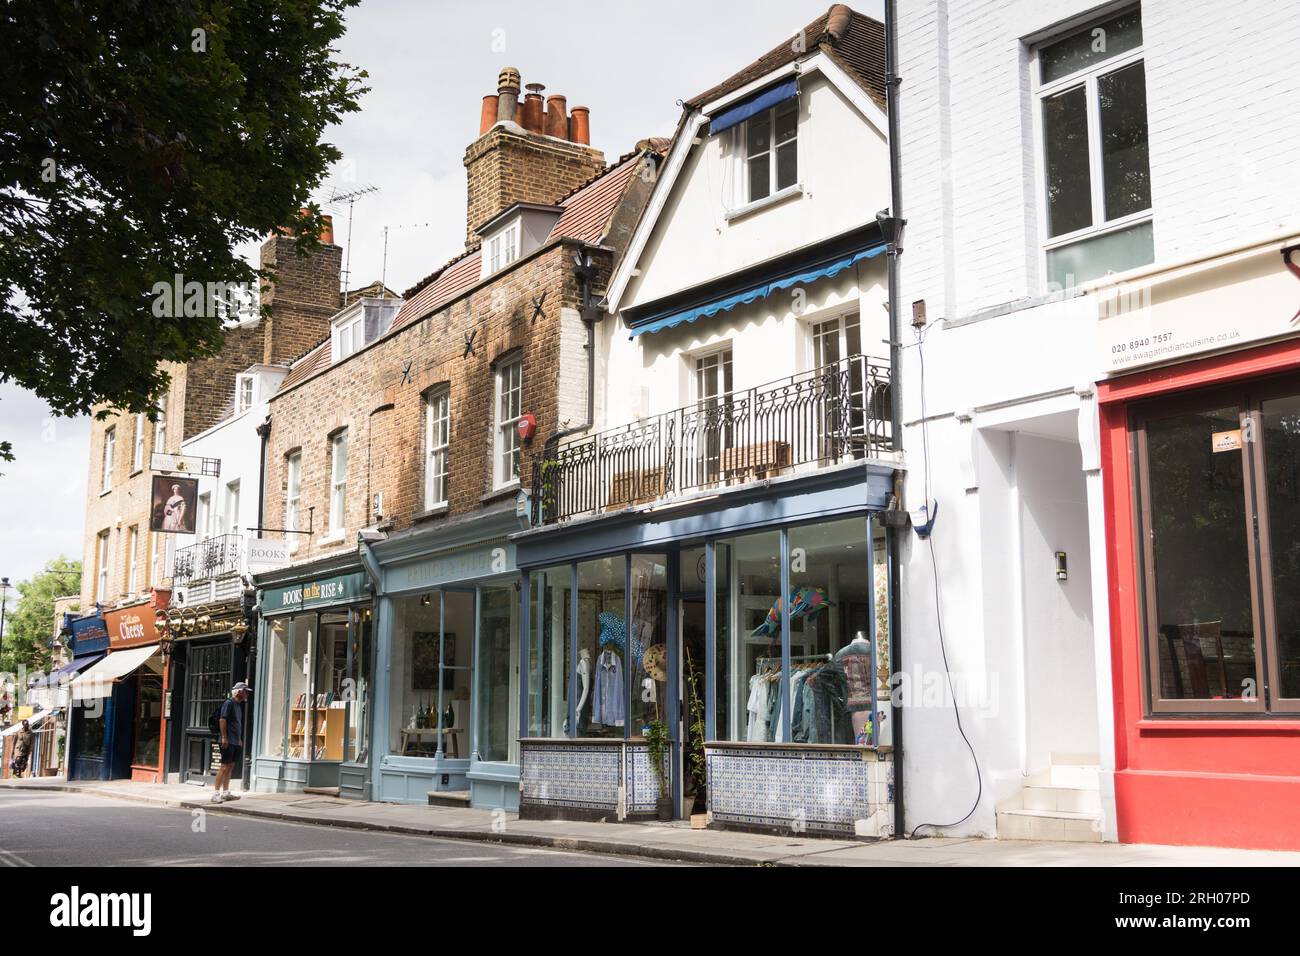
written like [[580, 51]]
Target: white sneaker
[[228, 796], [215, 798]]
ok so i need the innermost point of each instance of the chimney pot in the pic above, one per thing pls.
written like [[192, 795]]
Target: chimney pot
[[531, 116], [557, 123], [580, 125], [507, 94], [488, 117]]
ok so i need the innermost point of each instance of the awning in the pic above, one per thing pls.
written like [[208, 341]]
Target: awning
[[755, 292], [32, 721], [66, 672], [97, 681], [752, 105]]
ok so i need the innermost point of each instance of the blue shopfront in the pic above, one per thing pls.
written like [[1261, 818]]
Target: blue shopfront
[[89, 720], [448, 656], [312, 695], [722, 657]]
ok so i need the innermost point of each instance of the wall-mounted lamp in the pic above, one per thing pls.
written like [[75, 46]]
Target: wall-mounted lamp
[[1062, 572]]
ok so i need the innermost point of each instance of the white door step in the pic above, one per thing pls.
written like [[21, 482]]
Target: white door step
[[1073, 776], [1058, 825], [448, 798], [1072, 799]]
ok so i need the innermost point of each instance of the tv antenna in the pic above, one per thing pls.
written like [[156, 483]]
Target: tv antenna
[[338, 198]]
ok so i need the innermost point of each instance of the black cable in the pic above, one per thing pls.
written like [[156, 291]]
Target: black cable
[[938, 608]]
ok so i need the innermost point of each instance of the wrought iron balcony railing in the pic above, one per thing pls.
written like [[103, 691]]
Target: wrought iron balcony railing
[[814, 419], [208, 559]]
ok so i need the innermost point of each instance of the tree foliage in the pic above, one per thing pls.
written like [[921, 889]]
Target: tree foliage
[[142, 140], [29, 626]]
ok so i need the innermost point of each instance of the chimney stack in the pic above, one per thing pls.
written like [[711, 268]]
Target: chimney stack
[[529, 151]]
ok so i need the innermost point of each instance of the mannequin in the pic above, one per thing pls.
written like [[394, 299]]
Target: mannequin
[[584, 675]]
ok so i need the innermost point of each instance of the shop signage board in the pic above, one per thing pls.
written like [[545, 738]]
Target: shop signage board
[[338, 589], [89, 635], [1239, 299], [266, 554], [131, 627], [440, 569]]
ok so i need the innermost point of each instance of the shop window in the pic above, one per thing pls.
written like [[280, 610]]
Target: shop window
[[831, 692], [550, 666], [431, 674], [148, 720], [497, 644], [317, 686], [1096, 171], [90, 719], [602, 675], [648, 642], [1217, 499], [750, 680]]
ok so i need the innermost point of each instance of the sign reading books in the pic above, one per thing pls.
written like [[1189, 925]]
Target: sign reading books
[[338, 589], [266, 554]]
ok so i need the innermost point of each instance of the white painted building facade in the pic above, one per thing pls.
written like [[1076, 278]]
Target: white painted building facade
[[1001, 382]]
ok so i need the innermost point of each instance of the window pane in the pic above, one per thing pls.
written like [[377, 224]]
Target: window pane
[[356, 735], [1205, 626], [1065, 152], [749, 680], [758, 134], [760, 172], [1126, 172], [1091, 46], [301, 630], [1281, 427], [787, 120], [497, 643], [602, 649], [830, 627], [1090, 258], [548, 654], [787, 168], [648, 639]]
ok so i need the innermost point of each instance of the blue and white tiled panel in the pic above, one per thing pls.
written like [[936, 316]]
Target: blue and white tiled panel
[[849, 793], [585, 777], [642, 783]]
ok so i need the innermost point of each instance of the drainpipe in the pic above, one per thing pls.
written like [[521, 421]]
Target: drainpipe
[[264, 433], [895, 389], [250, 636]]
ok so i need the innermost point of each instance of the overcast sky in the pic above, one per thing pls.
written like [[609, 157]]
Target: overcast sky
[[431, 62]]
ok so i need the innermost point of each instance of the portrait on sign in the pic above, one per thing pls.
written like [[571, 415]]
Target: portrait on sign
[[174, 504]]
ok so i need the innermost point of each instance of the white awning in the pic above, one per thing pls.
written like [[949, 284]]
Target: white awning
[[32, 721], [97, 680]]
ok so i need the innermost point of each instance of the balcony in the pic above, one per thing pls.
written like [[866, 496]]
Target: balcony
[[208, 562], [812, 420]]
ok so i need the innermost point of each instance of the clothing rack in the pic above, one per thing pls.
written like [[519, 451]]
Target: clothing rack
[[825, 658]]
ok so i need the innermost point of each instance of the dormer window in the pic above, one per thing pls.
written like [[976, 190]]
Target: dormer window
[[771, 150], [502, 249], [243, 393], [349, 335]]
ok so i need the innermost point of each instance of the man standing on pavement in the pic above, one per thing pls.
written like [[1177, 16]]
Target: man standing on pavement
[[22, 750], [231, 719]]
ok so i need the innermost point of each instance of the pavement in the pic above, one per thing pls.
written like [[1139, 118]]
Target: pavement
[[657, 841]]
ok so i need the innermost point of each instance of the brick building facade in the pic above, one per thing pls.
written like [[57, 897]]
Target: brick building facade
[[121, 557]]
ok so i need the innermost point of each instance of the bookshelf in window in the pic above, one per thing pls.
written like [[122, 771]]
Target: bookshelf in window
[[327, 742]]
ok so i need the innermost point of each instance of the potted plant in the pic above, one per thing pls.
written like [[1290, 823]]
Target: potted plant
[[656, 738], [695, 744]]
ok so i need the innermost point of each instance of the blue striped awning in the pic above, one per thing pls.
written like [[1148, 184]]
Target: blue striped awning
[[761, 290], [734, 115]]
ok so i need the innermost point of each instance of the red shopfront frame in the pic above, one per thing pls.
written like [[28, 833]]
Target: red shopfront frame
[[1209, 780]]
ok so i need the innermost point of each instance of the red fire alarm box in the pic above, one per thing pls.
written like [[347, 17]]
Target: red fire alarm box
[[527, 425]]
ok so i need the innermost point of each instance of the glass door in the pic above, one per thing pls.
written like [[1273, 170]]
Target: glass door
[[496, 718], [455, 672]]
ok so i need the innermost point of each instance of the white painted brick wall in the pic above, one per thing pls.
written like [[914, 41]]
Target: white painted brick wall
[[1223, 103], [571, 405]]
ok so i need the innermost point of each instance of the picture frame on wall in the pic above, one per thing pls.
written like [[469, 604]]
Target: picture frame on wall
[[424, 661], [173, 508]]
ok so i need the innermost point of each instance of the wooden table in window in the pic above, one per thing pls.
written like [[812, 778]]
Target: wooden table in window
[[413, 737]]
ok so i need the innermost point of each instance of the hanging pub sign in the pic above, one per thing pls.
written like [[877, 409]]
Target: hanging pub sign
[[173, 504]]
